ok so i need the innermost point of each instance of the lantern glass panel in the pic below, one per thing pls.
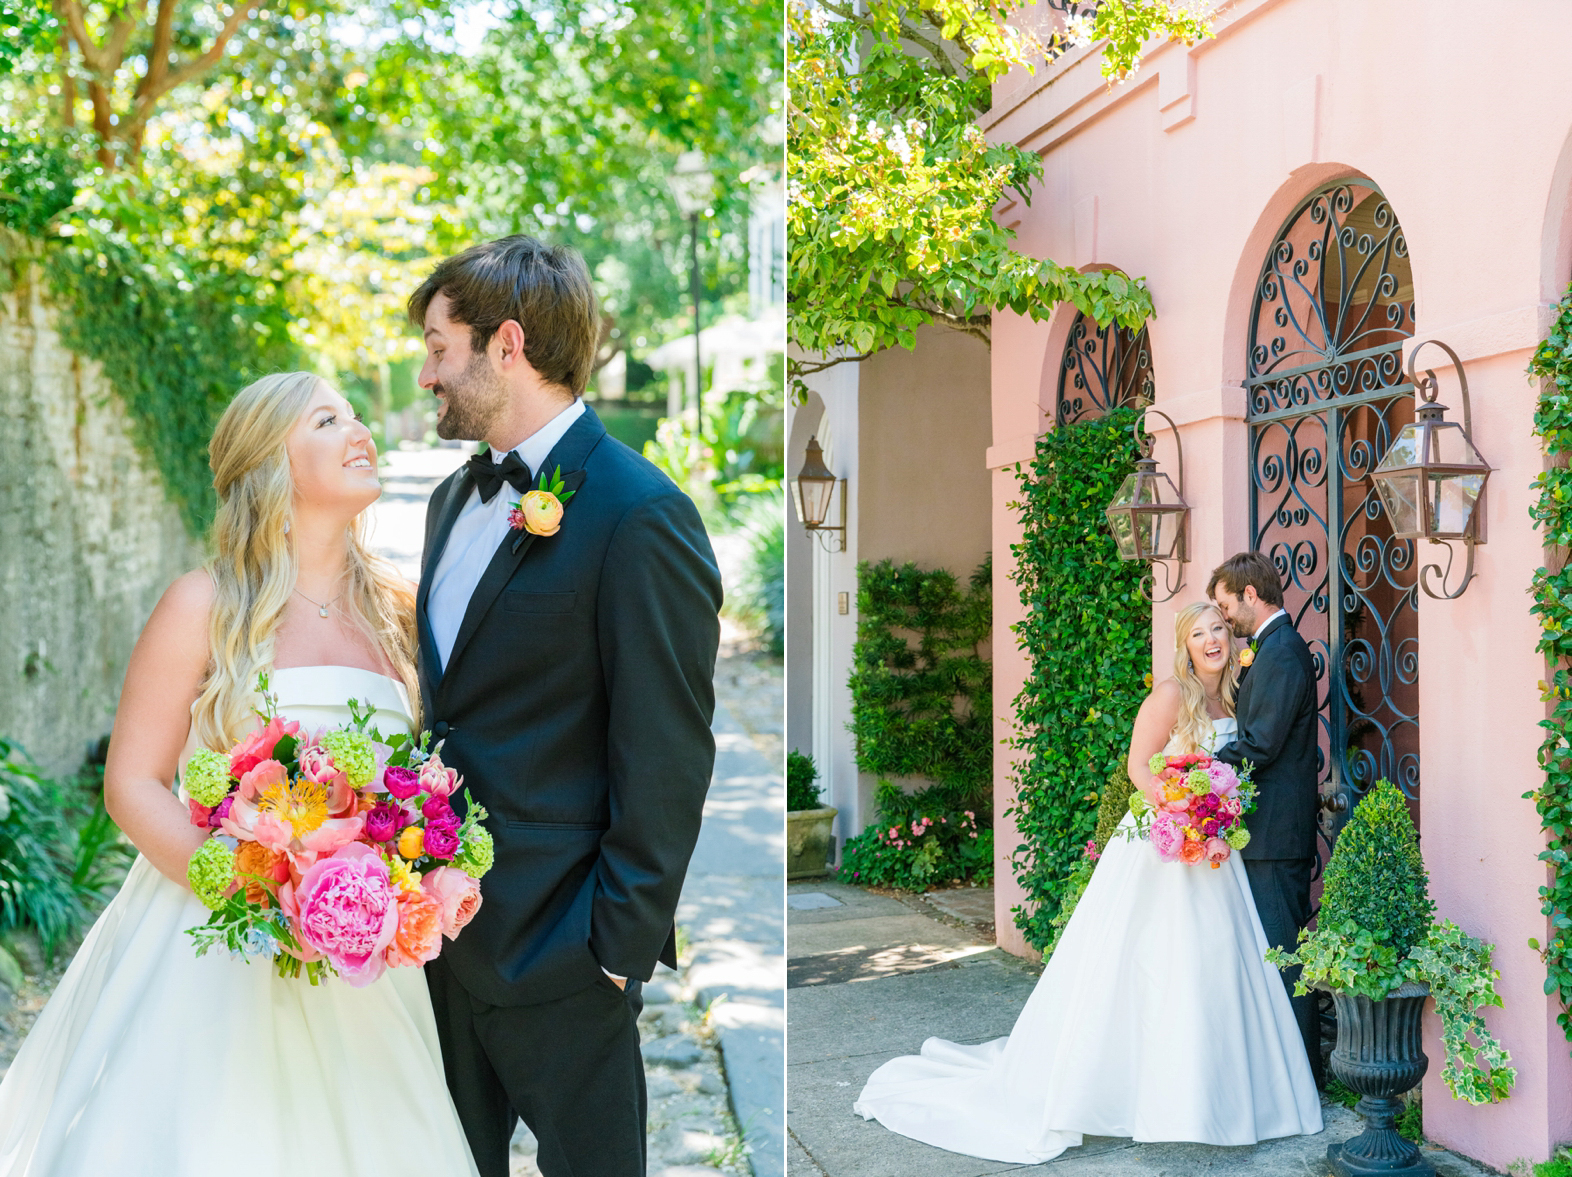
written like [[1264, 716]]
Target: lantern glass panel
[[1452, 500], [1449, 446], [1404, 451], [812, 496], [1119, 521], [1400, 496]]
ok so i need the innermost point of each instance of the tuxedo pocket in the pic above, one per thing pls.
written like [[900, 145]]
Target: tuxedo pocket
[[517, 602], [598, 827]]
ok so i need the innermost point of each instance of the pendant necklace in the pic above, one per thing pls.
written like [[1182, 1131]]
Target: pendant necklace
[[322, 610]]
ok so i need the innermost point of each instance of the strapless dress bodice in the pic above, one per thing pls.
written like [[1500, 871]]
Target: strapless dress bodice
[[1223, 730]]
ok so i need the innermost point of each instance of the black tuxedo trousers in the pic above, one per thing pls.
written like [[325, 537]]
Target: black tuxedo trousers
[[576, 702]]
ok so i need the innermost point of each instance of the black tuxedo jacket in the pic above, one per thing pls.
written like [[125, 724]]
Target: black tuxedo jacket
[[1276, 711], [577, 703]]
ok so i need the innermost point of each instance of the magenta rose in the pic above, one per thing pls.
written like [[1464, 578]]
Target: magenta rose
[[218, 815], [403, 783], [442, 840], [345, 908], [437, 779], [438, 809], [384, 821], [1209, 827]]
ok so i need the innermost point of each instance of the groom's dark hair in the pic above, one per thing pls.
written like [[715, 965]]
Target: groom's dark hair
[[546, 289], [1248, 568]]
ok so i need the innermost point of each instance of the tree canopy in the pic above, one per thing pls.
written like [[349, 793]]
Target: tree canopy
[[892, 184]]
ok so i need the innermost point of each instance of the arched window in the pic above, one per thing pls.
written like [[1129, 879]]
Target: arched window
[[1103, 367]]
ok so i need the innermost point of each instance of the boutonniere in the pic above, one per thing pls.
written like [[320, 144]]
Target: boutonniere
[[539, 512], [1247, 655]]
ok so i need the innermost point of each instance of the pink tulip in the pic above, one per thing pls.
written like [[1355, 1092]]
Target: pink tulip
[[437, 779]]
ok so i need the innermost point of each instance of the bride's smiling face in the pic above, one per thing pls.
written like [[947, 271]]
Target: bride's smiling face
[[332, 459], [1208, 643]]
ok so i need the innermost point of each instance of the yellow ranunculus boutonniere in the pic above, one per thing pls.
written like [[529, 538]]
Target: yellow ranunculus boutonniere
[[539, 512], [1246, 656]]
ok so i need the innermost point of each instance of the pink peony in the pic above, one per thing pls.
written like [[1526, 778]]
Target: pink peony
[[441, 840], [345, 908], [258, 746], [1224, 780], [403, 783], [437, 779], [1217, 851], [1166, 837], [458, 894]]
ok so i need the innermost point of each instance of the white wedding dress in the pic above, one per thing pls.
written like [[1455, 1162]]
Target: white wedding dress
[[1155, 1019], [149, 1060]]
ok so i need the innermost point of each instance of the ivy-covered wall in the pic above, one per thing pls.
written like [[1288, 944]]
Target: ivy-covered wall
[[1087, 635], [88, 538]]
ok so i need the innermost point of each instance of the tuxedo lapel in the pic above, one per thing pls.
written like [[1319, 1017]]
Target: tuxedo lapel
[[458, 495], [569, 454]]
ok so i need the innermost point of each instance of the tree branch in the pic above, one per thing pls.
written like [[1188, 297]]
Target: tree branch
[[801, 368], [151, 91], [158, 59], [70, 14]]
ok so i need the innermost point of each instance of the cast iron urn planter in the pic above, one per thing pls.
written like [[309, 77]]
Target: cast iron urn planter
[[1379, 1055]]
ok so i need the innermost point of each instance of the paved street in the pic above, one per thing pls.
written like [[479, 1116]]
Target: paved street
[[714, 1035], [871, 976]]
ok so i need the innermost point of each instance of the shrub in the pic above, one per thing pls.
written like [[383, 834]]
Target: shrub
[[761, 596], [801, 773], [919, 841], [1377, 877], [922, 694]]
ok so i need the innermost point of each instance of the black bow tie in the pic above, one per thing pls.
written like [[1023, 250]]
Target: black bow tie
[[489, 476]]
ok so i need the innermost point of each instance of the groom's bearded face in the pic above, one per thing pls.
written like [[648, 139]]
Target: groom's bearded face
[[1241, 614], [476, 400]]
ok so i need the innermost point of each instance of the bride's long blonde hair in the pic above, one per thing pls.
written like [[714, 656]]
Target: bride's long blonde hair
[[1194, 725], [254, 562]]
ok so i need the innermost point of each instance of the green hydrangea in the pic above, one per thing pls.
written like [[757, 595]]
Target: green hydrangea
[[352, 756], [211, 871], [1139, 804], [1198, 780], [1157, 763], [1237, 836], [206, 777], [477, 853]]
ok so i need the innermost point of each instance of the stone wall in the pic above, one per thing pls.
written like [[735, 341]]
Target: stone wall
[[88, 541]]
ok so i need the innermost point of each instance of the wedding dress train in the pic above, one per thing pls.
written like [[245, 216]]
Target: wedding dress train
[[1156, 1019], [150, 1060]]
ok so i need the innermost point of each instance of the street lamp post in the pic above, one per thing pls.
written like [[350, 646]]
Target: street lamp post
[[693, 187]]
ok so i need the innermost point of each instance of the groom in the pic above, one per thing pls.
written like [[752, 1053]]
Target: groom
[[1276, 712], [567, 655]]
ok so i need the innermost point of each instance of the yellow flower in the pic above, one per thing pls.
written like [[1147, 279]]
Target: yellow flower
[[412, 842], [303, 805], [1246, 656], [404, 878], [542, 512]]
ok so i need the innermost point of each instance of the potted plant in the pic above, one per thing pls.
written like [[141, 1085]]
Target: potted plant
[[808, 823], [1379, 951]]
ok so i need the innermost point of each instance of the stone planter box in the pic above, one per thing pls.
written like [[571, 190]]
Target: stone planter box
[[1379, 1054], [808, 841]]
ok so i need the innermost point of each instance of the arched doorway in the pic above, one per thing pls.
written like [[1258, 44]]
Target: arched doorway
[[1102, 368], [1326, 395]]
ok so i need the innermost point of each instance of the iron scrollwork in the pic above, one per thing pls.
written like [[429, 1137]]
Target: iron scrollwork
[[1326, 396], [1103, 368]]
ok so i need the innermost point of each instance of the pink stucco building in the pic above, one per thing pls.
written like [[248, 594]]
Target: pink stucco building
[[1434, 137]]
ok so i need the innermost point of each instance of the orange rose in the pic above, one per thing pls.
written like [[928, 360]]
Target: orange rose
[[253, 858], [1246, 656], [542, 512], [419, 935], [1191, 852]]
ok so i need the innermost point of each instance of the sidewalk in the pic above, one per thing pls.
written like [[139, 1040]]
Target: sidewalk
[[871, 976]]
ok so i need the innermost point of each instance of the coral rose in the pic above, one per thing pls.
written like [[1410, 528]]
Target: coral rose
[[419, 935], [1191, 852], [458, 894], [542, 512], [1217, 852], [258, 746], [345, 907], [200, 814]]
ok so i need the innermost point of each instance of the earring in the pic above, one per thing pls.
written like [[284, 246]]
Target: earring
[[286, 527]]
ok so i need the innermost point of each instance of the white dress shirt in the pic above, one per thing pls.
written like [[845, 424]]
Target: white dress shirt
[[479, 531]]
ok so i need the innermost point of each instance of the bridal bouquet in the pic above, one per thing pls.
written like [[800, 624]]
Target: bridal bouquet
[[1200, 817], [336, 852]]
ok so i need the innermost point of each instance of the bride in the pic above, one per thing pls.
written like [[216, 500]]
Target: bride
[[1156, 1018], [148, 1059]]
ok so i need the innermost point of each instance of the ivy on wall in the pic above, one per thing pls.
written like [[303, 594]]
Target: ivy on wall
[[177, 340], [922, 694], [1088, 641], [1552, 513]]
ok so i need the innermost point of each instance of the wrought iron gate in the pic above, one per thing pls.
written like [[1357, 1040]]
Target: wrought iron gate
[[1102, 368], [1326, 396]]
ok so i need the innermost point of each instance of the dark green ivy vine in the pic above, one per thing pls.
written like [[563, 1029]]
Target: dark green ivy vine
[[1552, 512], [1088, 641], [922, 694]]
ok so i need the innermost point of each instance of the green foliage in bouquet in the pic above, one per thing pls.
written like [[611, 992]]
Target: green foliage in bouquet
[[801, 774], [922, 692], [1087, 635], [934, 841], [1376, 930], [1552, 589]]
